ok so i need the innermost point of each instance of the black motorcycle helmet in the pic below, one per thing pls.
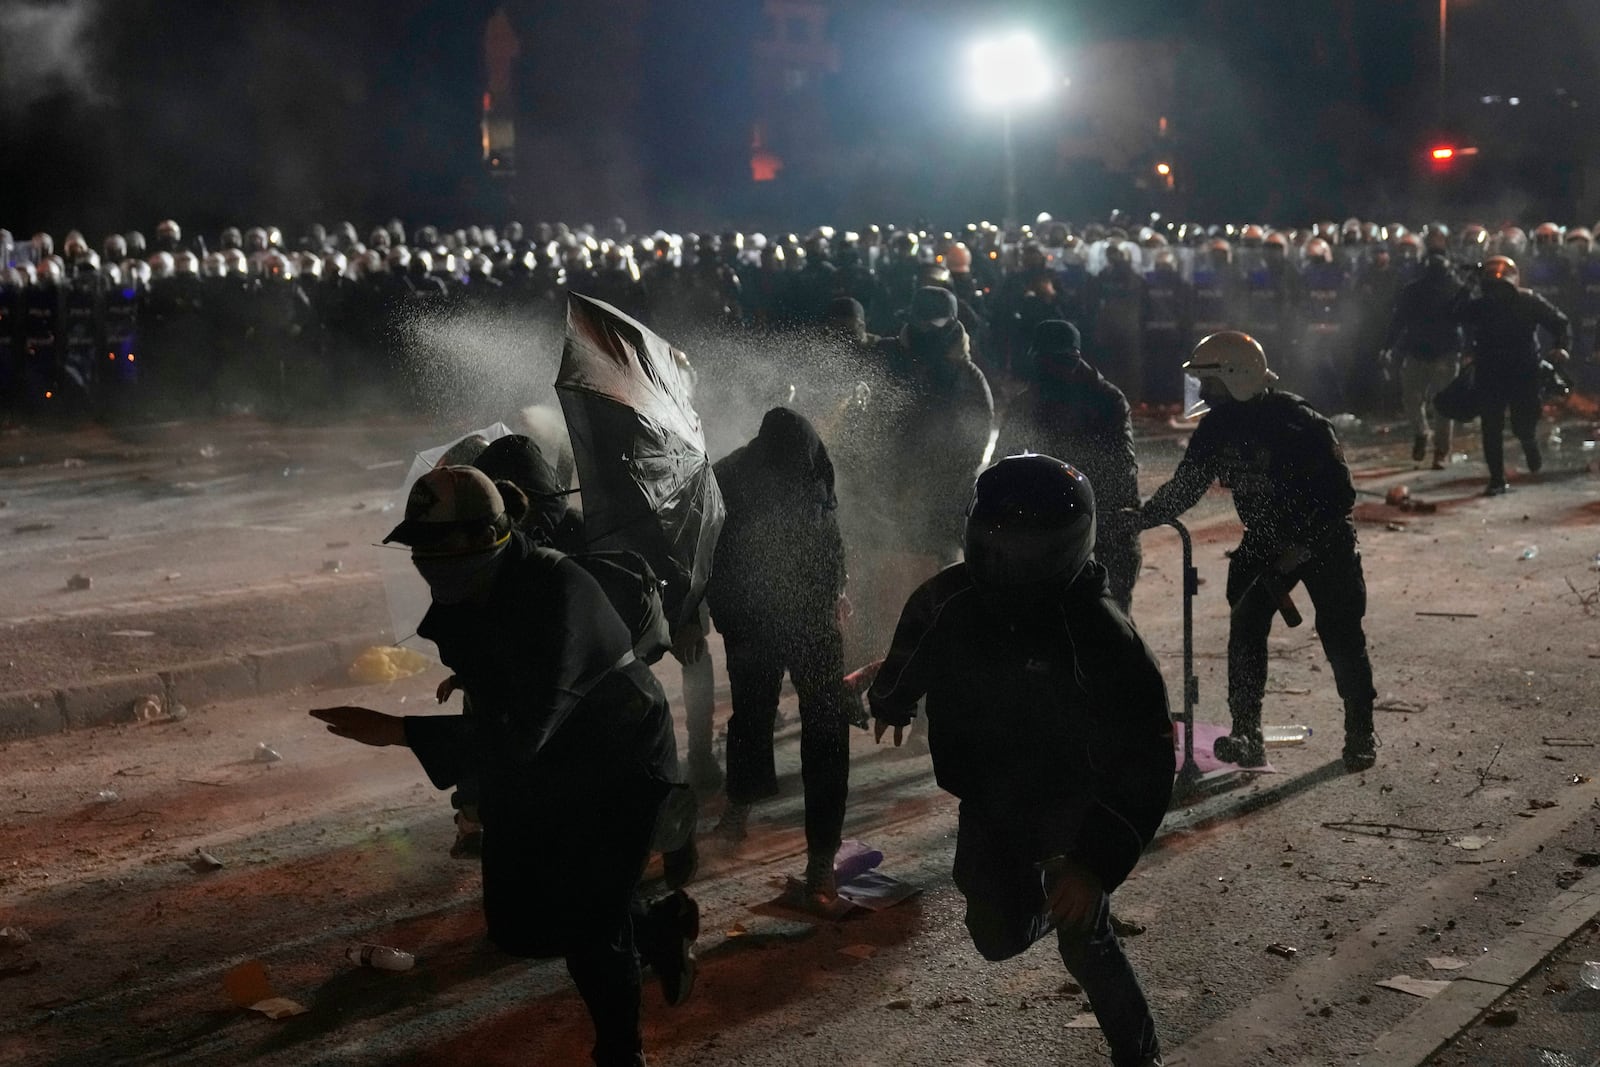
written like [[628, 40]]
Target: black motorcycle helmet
[[1030, 528]]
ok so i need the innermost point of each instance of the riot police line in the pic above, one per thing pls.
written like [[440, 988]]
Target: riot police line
[[255, 320]]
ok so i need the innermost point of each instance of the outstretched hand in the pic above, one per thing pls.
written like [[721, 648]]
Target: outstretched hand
[[364, 725]]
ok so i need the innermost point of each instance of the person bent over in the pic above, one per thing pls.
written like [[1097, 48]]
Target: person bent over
[[1292, 490]]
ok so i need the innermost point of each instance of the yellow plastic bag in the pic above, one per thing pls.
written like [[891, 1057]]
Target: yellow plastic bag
[[387, 663]]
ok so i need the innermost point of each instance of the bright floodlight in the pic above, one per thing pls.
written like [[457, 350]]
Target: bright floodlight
[[1008, 70]]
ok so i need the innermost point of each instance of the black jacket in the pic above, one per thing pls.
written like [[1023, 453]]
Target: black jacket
[[1426, 320], [935, 414], [561, 711], [1084, 422], [1504, 328], [1057, 736], [1284, 464], [780, 560]]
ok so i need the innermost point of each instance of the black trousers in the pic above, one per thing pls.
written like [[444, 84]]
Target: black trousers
[[1006, 915], [814, 658], [559, 874], [1338, 590], [1119, 552], [1519, 396]]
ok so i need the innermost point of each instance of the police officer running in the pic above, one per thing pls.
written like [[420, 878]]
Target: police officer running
[[1503, 325]]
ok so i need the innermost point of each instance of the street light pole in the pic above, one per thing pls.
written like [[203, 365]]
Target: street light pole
[[1010, 219], [1007, 71], [1444, 28]]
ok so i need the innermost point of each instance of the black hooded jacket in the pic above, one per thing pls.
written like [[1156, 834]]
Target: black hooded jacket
[[780, 559], [1085, 422], [1425, 324], [1055, 733], [561, 709]]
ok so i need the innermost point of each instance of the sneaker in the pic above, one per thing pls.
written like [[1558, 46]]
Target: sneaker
[[1246, 749], [1360, 752], [1535, 459], [1419, 447], [674, 925], [820, 884], [735, 822], [1497, 489]]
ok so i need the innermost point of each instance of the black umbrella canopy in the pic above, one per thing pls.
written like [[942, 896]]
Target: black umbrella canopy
[[646, 481]]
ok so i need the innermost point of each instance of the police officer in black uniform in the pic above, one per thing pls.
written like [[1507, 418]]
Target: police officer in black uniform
[[1293, 492], [1503, 325]]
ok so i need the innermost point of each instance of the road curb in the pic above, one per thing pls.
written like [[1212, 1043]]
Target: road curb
[[39, 712], [1498, 972]]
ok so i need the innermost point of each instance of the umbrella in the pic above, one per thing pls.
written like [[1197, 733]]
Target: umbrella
[[404, 588], [640, 450]]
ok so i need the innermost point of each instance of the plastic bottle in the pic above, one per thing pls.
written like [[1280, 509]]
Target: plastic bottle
[[1589, 974], [1285, 735], [381, 957]]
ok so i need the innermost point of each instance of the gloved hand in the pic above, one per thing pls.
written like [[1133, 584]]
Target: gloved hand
[[885, 716], [1290, 558], [689, 642]]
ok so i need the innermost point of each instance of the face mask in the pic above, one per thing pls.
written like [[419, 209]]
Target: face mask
[[454, 579]]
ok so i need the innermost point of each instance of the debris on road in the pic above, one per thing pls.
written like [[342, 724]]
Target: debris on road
[[107, 796], [332, 566], [208, 451], [79, 582], [247, 986], [1427, 988], [1471, 842], [896, 1005], [1083, 1021], [1568, 742], [204, 862], [1449, 614], [133, 633], [1446, 963], [1285, 951], [265, 753], [1404, 707], [1503, 1017], [17, 955], [380, 957], [387, 663], [72, 463]]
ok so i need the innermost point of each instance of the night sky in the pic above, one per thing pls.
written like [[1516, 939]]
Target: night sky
[[117, 114]]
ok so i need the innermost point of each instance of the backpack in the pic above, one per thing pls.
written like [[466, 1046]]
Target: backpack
[[635, 592]]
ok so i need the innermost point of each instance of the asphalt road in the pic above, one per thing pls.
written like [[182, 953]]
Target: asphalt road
[[1485, 801]]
